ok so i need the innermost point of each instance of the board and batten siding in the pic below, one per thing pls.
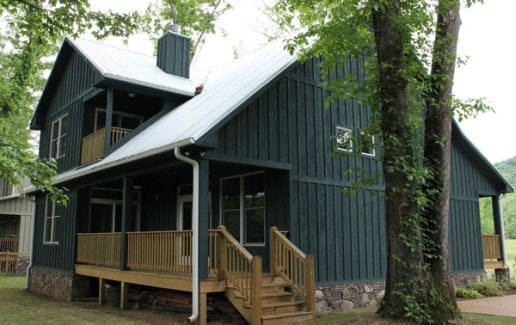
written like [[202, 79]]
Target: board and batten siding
[[288, 123], [56, 256], [77, 79], [468, 182]]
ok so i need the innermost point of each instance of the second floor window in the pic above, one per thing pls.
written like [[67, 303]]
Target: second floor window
[[58, 137], [344, 139]]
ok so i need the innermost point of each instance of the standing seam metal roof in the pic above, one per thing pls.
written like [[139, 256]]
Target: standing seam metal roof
[[123, 65], [222, 94]]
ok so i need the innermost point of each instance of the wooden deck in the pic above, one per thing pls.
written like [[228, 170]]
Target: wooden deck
[[162, 259]]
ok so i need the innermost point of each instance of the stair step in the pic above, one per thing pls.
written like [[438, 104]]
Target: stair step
[[272, 288], [282, 307], [286, 318], [272, 297]]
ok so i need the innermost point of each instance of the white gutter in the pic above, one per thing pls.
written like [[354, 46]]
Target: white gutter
[[195, 233]]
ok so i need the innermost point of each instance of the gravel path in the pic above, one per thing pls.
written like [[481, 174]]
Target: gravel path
[[501, 306]]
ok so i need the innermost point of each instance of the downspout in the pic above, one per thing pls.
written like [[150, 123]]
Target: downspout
[[195, 232], [33, 223]]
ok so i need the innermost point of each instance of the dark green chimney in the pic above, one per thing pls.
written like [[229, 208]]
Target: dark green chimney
[[174, 54]]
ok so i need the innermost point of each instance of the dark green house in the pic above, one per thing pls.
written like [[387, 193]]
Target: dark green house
[[155, 162]]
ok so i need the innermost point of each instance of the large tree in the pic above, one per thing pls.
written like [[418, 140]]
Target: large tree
[[408, 84]]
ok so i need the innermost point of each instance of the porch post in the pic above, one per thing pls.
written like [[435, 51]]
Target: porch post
[[498, 225], [204, 175], [126, 217], [109, 119]]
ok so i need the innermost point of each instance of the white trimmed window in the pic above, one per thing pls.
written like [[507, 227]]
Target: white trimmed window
[[58, 137], [52, 227], [344, 139], [243, 207], [367, 144]]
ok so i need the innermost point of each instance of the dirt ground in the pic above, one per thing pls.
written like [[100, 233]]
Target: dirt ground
[[501, 306]]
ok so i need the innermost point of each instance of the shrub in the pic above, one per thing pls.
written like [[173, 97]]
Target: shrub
[[468, 293], [487, 288]]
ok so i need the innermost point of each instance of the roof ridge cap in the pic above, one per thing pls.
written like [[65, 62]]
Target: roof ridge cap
[[121, 48]]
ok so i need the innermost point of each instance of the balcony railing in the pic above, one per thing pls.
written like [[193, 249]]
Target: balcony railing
[[93, 144], [9, 245]]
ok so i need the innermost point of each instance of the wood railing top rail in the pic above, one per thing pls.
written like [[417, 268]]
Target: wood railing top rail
[[235, 243], [297, 252]]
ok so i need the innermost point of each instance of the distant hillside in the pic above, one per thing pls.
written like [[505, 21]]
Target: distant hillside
[[508, 169]]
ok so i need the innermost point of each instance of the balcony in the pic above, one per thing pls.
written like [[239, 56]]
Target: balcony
[[93, 144]]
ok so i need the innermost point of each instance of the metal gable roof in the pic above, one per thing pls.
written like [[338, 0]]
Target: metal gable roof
[[123, 65], [223, 93]]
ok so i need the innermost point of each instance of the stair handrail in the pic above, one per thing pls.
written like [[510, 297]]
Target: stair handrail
[[241, 270], [296, 267]]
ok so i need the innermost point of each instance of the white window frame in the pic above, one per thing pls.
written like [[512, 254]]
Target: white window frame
[[107, 201], [373, 144], [53, 217], [116, 114], [338, 145], [243, 209], [60, 136]]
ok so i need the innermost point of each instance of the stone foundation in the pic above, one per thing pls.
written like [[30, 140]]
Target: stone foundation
[[349, 296], [461, 280], [22, 263], [58, 284]]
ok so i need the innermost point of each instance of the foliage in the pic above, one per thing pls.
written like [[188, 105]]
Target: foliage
[[468, 293], [195, 17], [508, 169], [487, 288]]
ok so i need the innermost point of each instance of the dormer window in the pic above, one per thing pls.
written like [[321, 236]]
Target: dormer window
[[58, 137], [344, 139]]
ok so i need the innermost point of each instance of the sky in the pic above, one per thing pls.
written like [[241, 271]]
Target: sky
[[485, 40]]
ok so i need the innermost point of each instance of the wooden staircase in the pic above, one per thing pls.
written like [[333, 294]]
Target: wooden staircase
[[285, 296], [278, 304]]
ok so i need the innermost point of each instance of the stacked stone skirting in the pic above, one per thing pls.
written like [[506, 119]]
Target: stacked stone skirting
[[58, 284], [461, 280], [366, 294], [22, 262], [349, 296]]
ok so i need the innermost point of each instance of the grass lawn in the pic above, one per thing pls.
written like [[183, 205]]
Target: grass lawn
[[20, 307], [510, 245]]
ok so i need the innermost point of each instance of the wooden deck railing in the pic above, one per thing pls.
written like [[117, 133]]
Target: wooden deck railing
[[9, 245], [160, 251], [287, 261], [8, 262], [118, 133], [100, 249], [491, 248], [150, 251], [241, 270], [93, 144]]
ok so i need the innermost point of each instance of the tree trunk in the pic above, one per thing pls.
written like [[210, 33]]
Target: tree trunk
[[404, 251], [438, 128]]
